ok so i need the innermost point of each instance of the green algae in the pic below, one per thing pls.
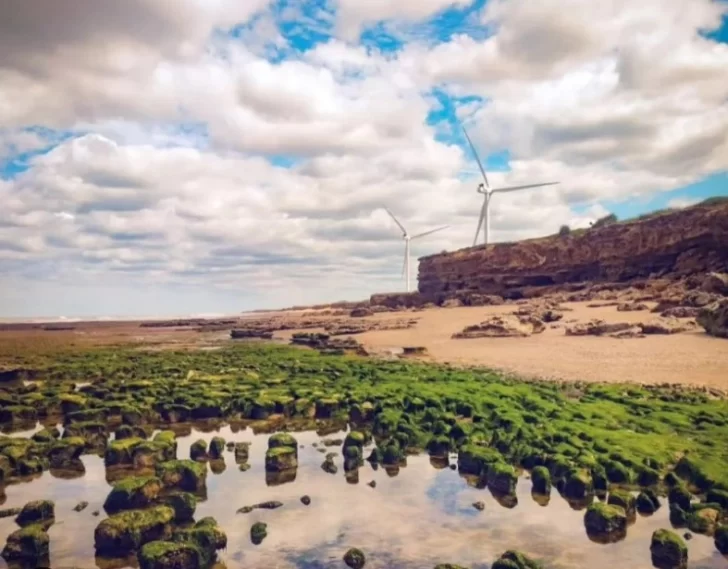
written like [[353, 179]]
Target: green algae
[[129, 530]]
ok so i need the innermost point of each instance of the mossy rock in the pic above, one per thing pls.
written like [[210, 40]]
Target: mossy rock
[[647, 502], [718, 496], [35, 512], [703, 520], [280, 458], [678, 516], [515, 560], [355, 558], [186, 475], [473, 459], [198, 450], [623, 499], [217, 447], [668, 550], [578, 484], [439, 446], [132, 494], [46, 435], [502, 478], [150, 453], [71, 402], [170, 555], [127, 531], [27, 545], [242, 452], [392, 455], [205, 536], [279, 440], [541, 480], [721, 539], [617, 473], [355, 439], [18, 414], [120, 452], [679, 495], [183, 504], [604, 519], [258, 532]]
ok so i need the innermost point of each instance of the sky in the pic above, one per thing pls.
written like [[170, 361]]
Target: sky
[[197, 157]]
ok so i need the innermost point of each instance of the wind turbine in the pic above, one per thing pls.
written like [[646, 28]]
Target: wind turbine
[[487, 191], [407, 238]]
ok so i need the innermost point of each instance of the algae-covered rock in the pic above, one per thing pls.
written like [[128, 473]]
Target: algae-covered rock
[[721, 539], [132, 494], [281, 458], [355, 439], [439, 446], [717, 496], [502, 478], [605, 519], [170, 555], [679, 495], [623, 499], [150, 453], [217, 447], [46, 435], [279, 440], [578, 484], [541, 480], [473, 459], [66, 451], [198, 450], [703, 520], [186, 475], [120, 452], [183, 504], [678, 516], [27, 545], [355, 558], [18, 414], [36, 511], [647, 502], [258, 532], [515, 560], [242, 452], [668, 550], [127, 531]]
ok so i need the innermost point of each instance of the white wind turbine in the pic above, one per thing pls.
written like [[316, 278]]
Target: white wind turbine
[[487, 191], [407, 238]]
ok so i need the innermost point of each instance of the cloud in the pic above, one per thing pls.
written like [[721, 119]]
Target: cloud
[[149, 138]]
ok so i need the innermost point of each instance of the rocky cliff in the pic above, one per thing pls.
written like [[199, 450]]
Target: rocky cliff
[[671, 244]]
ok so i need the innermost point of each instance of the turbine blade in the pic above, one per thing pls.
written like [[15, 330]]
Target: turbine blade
[[477, 158], [396, 220], [429, 232], [480, 222], [514, 188]]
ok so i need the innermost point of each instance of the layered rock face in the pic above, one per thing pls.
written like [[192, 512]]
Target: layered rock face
[[675, 244]]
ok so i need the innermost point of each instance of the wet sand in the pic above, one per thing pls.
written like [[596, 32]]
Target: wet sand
[[687, 358]]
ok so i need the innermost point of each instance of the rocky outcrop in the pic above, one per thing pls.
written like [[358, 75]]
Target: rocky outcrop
[[503, 326], [714, 318], [687, 242]]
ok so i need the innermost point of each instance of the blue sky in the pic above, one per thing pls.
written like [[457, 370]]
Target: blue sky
[[279, 130]]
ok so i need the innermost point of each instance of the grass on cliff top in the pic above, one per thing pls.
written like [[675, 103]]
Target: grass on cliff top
[[645, 429]]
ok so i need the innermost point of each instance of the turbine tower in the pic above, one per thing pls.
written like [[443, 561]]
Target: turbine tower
[[407, 238], [487, 191]]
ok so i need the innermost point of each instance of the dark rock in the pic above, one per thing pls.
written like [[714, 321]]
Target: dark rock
[[668, 550], [28, 545], [80, 506], [604, 519], [480, 506], [354, 558], [305, 500], [714, 319], [36, 511], [258, 533]]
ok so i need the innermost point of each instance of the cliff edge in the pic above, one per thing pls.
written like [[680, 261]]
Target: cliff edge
[[673, 244]]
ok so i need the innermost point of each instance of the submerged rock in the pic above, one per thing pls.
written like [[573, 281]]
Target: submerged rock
[[132, 494], [36, 511], [27, 545], [604, 519], [355, 558], [515, 560], [122, 533], [668, 550], [258, 532]]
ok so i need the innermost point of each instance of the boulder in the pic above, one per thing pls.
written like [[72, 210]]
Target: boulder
[[624, 499], [122, 533], [121, 451], [703, 519], [501, 478], [715, 283], [190, 548], [281, 458], [186, 475], [647, 502], [217, 447], [27, 546], [283, 440], [668, 550], [35, 512], [183, 504], [198, 450], [721, 539], [355, 558], [714, 319], [604, 519], [578, 484], [132, 494], [515, 560], [541, 480]]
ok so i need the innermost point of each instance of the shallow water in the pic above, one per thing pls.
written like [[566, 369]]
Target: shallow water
[[415, 518]]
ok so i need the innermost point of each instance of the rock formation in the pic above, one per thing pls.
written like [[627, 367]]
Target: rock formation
[[678, 244]]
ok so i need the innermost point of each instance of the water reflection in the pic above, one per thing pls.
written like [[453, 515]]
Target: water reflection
[[416, 515]]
